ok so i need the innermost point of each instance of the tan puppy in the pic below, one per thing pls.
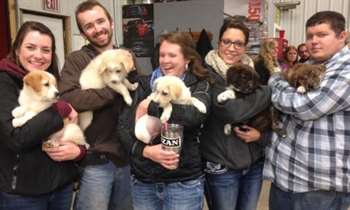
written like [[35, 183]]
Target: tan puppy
[[171, 89], [39, 93], [108, 69], [305, 77]]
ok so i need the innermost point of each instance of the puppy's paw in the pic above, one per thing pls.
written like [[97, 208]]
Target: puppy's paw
[[224, 96], [301, 89], [17, 112], [134, 86], [17, 122], [165, 117], [128, 100], [228, 129], [199, 105]]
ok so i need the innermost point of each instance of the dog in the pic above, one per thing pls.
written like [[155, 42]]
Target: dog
[[305, 77], [39, 92], [109, 69], [171, 89], [243, 80]]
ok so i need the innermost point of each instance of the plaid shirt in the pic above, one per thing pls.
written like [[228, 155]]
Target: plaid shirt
[[315, 155]]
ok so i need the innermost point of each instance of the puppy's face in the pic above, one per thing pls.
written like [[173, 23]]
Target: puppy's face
[[242, 78], [167, 89], [116, 64], [307, 75], [42, 85]]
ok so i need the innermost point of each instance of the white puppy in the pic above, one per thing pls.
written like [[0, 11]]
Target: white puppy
[[110, 68], [171, 89], [39, 92]]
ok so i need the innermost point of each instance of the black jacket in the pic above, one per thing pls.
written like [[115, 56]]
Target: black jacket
[[24, 168], [190, 166], [231, 151]]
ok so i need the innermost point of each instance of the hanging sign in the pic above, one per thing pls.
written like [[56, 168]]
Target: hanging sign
[[254, 10], [51, 5]]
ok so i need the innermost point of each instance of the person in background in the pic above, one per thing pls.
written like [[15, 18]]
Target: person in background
[[303, 53], [309, 168], [30, 178], [105, 181], [233, 163], [164, 179], [290, 58], [266, 63]]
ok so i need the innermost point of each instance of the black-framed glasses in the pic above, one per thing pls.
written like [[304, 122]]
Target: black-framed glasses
[[236, 44]]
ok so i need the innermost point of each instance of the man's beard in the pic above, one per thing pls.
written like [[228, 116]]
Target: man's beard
[[98, 45]]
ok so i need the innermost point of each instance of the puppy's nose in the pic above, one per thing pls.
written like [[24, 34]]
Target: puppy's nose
[[57, 94], [114, 81]]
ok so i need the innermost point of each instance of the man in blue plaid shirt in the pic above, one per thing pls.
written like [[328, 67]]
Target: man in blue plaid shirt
[[310, 168]]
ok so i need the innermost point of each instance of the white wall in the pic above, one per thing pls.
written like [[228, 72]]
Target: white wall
[[293, 21]]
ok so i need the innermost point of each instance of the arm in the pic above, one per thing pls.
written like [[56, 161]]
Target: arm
[[332, 96], [240, 109], [81, 100], [31, 134]]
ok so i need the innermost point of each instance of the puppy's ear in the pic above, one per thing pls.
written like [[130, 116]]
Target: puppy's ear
[[102, 69], [175, 91], [123, 67], [33, 80]]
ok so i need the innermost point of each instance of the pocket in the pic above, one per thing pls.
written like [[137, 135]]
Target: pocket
[[191, 183]]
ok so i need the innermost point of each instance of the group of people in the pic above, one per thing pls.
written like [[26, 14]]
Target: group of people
[[291, 54], [309, 168]]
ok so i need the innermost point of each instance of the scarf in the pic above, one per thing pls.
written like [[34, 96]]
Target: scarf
[[215, 61], [12, 68]]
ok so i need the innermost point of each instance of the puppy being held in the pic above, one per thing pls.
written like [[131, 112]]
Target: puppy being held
[[171, 89], [243, 80], [40, 92], [305, 77], [109, 69]]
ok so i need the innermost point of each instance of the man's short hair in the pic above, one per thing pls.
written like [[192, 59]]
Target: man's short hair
[[88, 5], [301, 45], [334, 19]]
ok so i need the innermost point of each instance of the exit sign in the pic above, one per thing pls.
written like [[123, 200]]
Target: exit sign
[[52, 5]]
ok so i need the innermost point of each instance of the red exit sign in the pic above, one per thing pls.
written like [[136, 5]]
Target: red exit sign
[[52, 5]]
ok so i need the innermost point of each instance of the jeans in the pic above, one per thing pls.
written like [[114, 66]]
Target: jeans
[[59, 199], [315, 200], [235, 189], [187, 195], [104, 187]]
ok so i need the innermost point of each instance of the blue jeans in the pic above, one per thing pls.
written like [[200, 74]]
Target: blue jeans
[[104, 187], [235, 189], [187, 195], [59, 199], [315, 200]]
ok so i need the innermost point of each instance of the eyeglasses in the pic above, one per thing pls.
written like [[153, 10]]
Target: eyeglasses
[[236, 44]]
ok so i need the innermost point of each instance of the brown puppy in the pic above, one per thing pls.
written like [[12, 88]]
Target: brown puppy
[[305, 77], [243, 80]]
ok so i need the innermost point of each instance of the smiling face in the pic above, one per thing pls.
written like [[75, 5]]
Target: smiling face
[[96, 27], [322, 42], [171, 59], [35, 52], [232, 46]]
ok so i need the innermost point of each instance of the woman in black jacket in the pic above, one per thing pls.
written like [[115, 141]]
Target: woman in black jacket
[[233, 163], [31, 178], [153, 168]]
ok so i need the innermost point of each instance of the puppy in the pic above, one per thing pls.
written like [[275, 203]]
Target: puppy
[[171, 89], [243, 80], [305, 77], [108, 69], [39, 92]]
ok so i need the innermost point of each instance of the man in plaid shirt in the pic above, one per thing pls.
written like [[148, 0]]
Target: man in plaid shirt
[[310, 168]]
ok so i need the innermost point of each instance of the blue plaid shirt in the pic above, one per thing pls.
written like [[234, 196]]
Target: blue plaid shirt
[[316, 153]]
